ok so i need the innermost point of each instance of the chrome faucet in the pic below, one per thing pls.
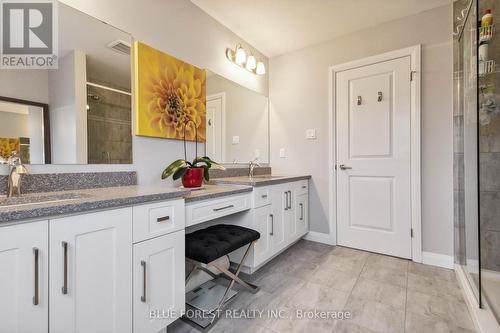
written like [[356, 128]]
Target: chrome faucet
[[17, 170], [251, 167]]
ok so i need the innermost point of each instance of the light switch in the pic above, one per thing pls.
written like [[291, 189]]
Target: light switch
[[236, 140], [311, 134], [282, 153]]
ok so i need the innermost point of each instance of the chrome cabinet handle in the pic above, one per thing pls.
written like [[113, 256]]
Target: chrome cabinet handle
[[162, 219], [143, 297], [65, 268], [345, 167], [272, 224], [301, 212], [290, 200], [264, 196], [287, 205], [36, 295], [222, 208]]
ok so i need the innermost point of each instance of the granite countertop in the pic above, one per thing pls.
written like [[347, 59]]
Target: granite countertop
[[256, 181], [71, 202], [215, 191]]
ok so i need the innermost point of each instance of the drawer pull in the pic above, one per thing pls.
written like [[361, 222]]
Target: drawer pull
[[143, 297], [272, 225], [163, 219], [264, 196], [223, 208], [64, 288], [304, 186], [36, 295]]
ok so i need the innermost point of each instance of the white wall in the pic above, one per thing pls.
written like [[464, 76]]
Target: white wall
[[298, 89], [183, 30]]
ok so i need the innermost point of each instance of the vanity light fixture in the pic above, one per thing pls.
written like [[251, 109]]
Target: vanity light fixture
[[244, 59]]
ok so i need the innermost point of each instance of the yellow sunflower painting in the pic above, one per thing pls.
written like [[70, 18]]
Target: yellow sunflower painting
[[8, 145], [169, 93]]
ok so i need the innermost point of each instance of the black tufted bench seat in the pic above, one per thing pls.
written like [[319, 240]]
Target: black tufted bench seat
[[205, 246], [209, 244]]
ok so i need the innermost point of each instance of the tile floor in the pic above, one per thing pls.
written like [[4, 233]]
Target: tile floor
[[382, 294]]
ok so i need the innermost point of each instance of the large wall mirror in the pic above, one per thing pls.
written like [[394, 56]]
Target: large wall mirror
[[79, 113], [237, 122]]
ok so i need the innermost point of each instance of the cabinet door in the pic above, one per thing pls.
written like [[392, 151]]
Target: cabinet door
[[91, 273], [262, 247], [278, 225], [159, 274], [24, 278], [301, 214], [288, 213]]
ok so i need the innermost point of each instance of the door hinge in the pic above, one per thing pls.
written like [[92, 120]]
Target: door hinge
[[412, 74], [411, 233]]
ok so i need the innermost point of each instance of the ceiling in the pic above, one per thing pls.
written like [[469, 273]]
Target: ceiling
[[276, 27]]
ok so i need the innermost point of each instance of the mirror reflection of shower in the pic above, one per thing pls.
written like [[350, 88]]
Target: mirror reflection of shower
[[109, 119]]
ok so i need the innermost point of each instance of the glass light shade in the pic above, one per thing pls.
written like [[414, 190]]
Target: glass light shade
[[241, 56], [251, 63], [261, 68]]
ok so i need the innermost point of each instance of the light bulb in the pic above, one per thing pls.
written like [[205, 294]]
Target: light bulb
[[251, 63], [261, 68], [241, 56]]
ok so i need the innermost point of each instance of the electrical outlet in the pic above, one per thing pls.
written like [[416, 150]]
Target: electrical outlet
[[236, 140], [257, 153], [282, 153], [311, 134]]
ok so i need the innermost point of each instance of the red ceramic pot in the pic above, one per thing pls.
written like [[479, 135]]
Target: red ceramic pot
[[193, 177]]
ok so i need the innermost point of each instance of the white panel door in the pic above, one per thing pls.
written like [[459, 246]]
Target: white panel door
[[91, 273], [215, 142], [24, 278], [159, 277], [373, 109]]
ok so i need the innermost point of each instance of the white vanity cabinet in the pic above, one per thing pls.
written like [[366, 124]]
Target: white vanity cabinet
[[159, 265], [280, 214], [24, 278], [90, 272]]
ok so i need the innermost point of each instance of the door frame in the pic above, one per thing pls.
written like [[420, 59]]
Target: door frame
[[222, 96], [414, 52]]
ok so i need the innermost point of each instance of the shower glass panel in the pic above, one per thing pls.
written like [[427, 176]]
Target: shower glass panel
[[109, 119], [465, 143], [489, 158]]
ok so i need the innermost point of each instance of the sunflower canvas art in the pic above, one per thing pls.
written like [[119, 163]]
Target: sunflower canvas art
[[8, 145], [169, 92]]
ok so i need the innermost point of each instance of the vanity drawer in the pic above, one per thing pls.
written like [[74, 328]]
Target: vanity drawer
[[212, 209], [302, 187], [153, 220], [261, 197]]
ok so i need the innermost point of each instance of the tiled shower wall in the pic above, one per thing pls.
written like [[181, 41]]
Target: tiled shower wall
[[109, 127], [489, 157]]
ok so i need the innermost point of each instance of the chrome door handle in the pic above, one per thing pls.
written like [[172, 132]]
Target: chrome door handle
[[301, 212], [64, 288], [290, 200], [272, 224], [36, 295], [344, 167], [143, 297]]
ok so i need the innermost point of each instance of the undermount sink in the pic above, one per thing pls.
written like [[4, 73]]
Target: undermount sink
[[40, 199]]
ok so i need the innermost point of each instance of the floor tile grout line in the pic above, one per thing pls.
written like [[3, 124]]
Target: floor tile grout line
[[406, 296]]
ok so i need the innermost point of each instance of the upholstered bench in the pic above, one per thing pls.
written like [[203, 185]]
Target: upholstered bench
[[205, 246]]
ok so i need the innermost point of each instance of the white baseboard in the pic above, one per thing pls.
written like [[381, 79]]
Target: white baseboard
[[320, 237], [483, 319], [437, 259]]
